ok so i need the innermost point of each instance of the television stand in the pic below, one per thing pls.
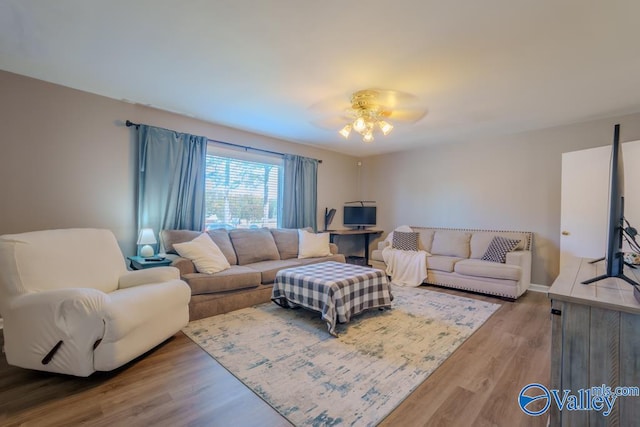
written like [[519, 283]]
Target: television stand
[[356, 232], [594, 340], [604, 276]]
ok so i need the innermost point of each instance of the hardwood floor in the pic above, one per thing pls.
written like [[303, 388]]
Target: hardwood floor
[[178, 384]]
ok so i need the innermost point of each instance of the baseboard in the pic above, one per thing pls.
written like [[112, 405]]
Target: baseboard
[[538, 288]]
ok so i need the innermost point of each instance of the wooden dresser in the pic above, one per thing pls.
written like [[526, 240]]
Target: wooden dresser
[[595, 341]]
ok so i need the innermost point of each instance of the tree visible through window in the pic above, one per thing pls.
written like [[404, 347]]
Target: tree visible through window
[[240, 193]]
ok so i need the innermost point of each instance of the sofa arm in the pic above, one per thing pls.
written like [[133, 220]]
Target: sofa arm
[[383, 244], [35, 324], [185, 265], [522, 259], [333, 248], [149, 275]]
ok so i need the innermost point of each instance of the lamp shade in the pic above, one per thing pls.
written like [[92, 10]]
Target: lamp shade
[[146, 237]]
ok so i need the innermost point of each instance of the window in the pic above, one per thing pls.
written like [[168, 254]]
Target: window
[[242, 189]]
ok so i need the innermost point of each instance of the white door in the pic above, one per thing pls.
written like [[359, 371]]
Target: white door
[[585, 198]]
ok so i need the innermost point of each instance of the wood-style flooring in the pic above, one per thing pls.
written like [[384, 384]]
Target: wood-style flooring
[[178, 384]]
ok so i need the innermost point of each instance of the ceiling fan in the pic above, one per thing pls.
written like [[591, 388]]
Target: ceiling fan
[[368, 111]]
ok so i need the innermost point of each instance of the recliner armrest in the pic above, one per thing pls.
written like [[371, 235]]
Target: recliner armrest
[[149, 275], [36, 322]]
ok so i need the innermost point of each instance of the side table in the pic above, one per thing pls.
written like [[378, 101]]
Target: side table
[[140, 263]]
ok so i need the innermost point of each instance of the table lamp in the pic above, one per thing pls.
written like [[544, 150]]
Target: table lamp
[[146, 238]]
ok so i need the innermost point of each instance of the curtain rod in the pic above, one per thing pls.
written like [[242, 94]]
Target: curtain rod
[[129, 123]]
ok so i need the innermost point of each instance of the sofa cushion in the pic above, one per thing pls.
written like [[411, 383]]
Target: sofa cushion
[[170, 237], [286, 241], [442, 263], [494, 270], [451, 243], [234, 278], [425, 239], [405, 241], [497, 250], [312, 245], [221, 238], [206, 255], [480, 241], [254, 245], [268, 269]]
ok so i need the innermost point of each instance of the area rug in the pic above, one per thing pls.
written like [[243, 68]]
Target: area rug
[[288, 358]]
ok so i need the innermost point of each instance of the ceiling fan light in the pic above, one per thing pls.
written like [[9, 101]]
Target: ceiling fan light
[[345, 131], [385, 127], [368, 137], [359, 125]]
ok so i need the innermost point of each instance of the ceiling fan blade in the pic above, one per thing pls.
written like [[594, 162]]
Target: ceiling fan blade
[[392, 98], [407, 116], [333, 113], [331, 123], [331, 105]]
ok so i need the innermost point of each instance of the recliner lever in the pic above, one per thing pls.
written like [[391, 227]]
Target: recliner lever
[[49, 356]]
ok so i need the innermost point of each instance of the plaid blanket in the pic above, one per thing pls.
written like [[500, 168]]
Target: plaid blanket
[[336, 290]]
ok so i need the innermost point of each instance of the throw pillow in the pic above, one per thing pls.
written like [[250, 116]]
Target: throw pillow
[[498, 248], [312, 245], [206, 255], [405, 241]]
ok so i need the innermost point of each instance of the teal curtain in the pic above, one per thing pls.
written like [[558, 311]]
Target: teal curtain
[[171, 179], [300, 192]]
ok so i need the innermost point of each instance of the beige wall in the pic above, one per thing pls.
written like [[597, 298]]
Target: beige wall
[[509, 182], [67, 160]]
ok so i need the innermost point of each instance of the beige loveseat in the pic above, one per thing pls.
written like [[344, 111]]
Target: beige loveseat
[[255, 255], [456, 260]]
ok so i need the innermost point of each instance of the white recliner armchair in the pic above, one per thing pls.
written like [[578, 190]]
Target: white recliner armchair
[[70, 305]]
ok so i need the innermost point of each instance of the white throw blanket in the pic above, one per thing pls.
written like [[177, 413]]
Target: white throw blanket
[[406, 268]]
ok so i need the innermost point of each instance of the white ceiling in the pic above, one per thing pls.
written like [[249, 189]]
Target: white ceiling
[[481, 68]]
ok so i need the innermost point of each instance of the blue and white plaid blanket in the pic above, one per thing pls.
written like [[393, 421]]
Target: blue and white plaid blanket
[[336, 290]]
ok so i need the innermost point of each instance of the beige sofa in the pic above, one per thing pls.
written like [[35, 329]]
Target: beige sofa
[[255, 255], [456, 262]]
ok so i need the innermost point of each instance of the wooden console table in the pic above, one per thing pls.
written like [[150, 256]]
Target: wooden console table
[[351, 232], [595, 341]]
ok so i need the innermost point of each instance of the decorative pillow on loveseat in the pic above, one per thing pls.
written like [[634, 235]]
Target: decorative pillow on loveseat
[[405, 241], [498, 248]]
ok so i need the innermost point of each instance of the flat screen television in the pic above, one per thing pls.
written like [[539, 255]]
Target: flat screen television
[[614, 255], [359, 216]]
